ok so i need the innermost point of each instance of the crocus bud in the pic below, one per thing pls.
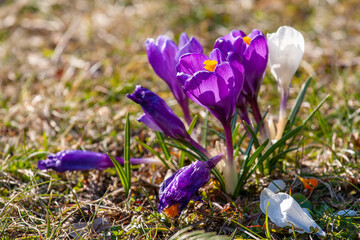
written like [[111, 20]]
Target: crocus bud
[[159, 117], [157, 114], [163, 55], [177, 191], [286, 49], [77, 160]]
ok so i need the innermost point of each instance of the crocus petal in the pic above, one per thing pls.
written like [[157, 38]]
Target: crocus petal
[[225, 46], [182, 78], [284, 211], [77, 160], [184, 184], [217, 55], [191, 63], [159, 114], [254, 33], [234, 34], [149, 122], [183, 39], [216, 91], [163, 56], [192, 46], [156, 57], [255, 59], [286, 49], [253, 56]]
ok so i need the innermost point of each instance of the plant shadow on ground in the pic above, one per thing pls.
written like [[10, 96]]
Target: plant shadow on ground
[[65, 69]]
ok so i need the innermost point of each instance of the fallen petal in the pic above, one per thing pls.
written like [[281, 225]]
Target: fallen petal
[[284, 211]]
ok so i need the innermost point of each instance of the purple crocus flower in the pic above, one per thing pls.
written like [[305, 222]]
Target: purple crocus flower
[[159, 116], [215, 82], [77, 160], [177, 191], [163, 56], [253, 51]]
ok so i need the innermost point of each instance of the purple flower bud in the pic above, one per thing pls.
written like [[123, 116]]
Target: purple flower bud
[[163, 56], [177, 191], [159, 117], [77, 160]]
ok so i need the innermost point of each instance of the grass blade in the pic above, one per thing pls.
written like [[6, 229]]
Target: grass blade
[[315, 110], [268, 236], [298, 102], [122, 175], [127, 150], [164, 148], [153, 152], [192, 124], [253, 134]]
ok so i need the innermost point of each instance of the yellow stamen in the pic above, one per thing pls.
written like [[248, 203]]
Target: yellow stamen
[[210, 65], [247, 40], [172, 211]]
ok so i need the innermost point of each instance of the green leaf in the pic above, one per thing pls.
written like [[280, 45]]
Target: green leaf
[[163, 147], [122, 175], [253, 134], [192, 124], [127, 150], [153, 152], [298, 102], [268, 236], [248, 162], [315, 110]]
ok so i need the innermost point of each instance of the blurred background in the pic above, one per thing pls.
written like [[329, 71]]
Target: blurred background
[[65, 66]]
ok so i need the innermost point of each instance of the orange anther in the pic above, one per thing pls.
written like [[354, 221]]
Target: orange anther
[[210, 65]]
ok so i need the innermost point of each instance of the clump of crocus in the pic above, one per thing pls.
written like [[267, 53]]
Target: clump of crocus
[[253, 52], [177, 191], [215, 82], [286, 49], [77, 160], [159, 116], [284, 211], [163, 55]]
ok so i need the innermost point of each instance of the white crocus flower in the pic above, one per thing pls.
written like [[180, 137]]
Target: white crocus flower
[[286, 49], [284, 211]]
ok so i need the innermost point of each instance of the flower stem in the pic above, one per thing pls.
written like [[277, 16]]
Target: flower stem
[[229, 144], [230, 175], [185, 108], [284, 94], [264, 132]]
